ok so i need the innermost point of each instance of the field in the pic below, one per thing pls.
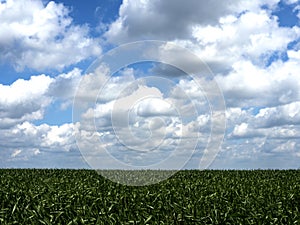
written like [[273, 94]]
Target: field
[[189, 197]]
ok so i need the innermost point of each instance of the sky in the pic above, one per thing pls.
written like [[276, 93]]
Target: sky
[[150, 84]]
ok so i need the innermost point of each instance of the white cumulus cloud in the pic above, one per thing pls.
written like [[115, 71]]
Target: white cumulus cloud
[[41, 36]]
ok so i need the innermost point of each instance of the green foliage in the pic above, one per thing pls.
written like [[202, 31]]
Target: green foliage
[[189, 197]]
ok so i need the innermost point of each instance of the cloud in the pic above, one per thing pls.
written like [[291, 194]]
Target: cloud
[[43, 137], [294, 55], [15, 153], [289, 2], [250, 85], [280, 122], [64, 86], [42, 36], [236, 38], [174, 20], [24, 100], [141, 127], [29, 145], [288, 114], [244, 131], [220, 37], [28, 100], [254, 59], [154, 107], [255, 65], [261, 138]]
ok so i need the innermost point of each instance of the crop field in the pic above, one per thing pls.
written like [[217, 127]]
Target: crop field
[[54, 196]]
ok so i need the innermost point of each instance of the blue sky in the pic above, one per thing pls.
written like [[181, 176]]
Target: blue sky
[[251, 47]]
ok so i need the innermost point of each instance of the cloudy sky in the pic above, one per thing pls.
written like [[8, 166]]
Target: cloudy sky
[[218, 69]]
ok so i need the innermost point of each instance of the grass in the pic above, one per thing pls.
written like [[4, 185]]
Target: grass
[[32, 196]]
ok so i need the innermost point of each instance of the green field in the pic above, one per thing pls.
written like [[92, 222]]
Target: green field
[[189, 197]]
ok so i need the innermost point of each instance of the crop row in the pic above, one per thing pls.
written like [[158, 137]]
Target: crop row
[[31, 196]]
